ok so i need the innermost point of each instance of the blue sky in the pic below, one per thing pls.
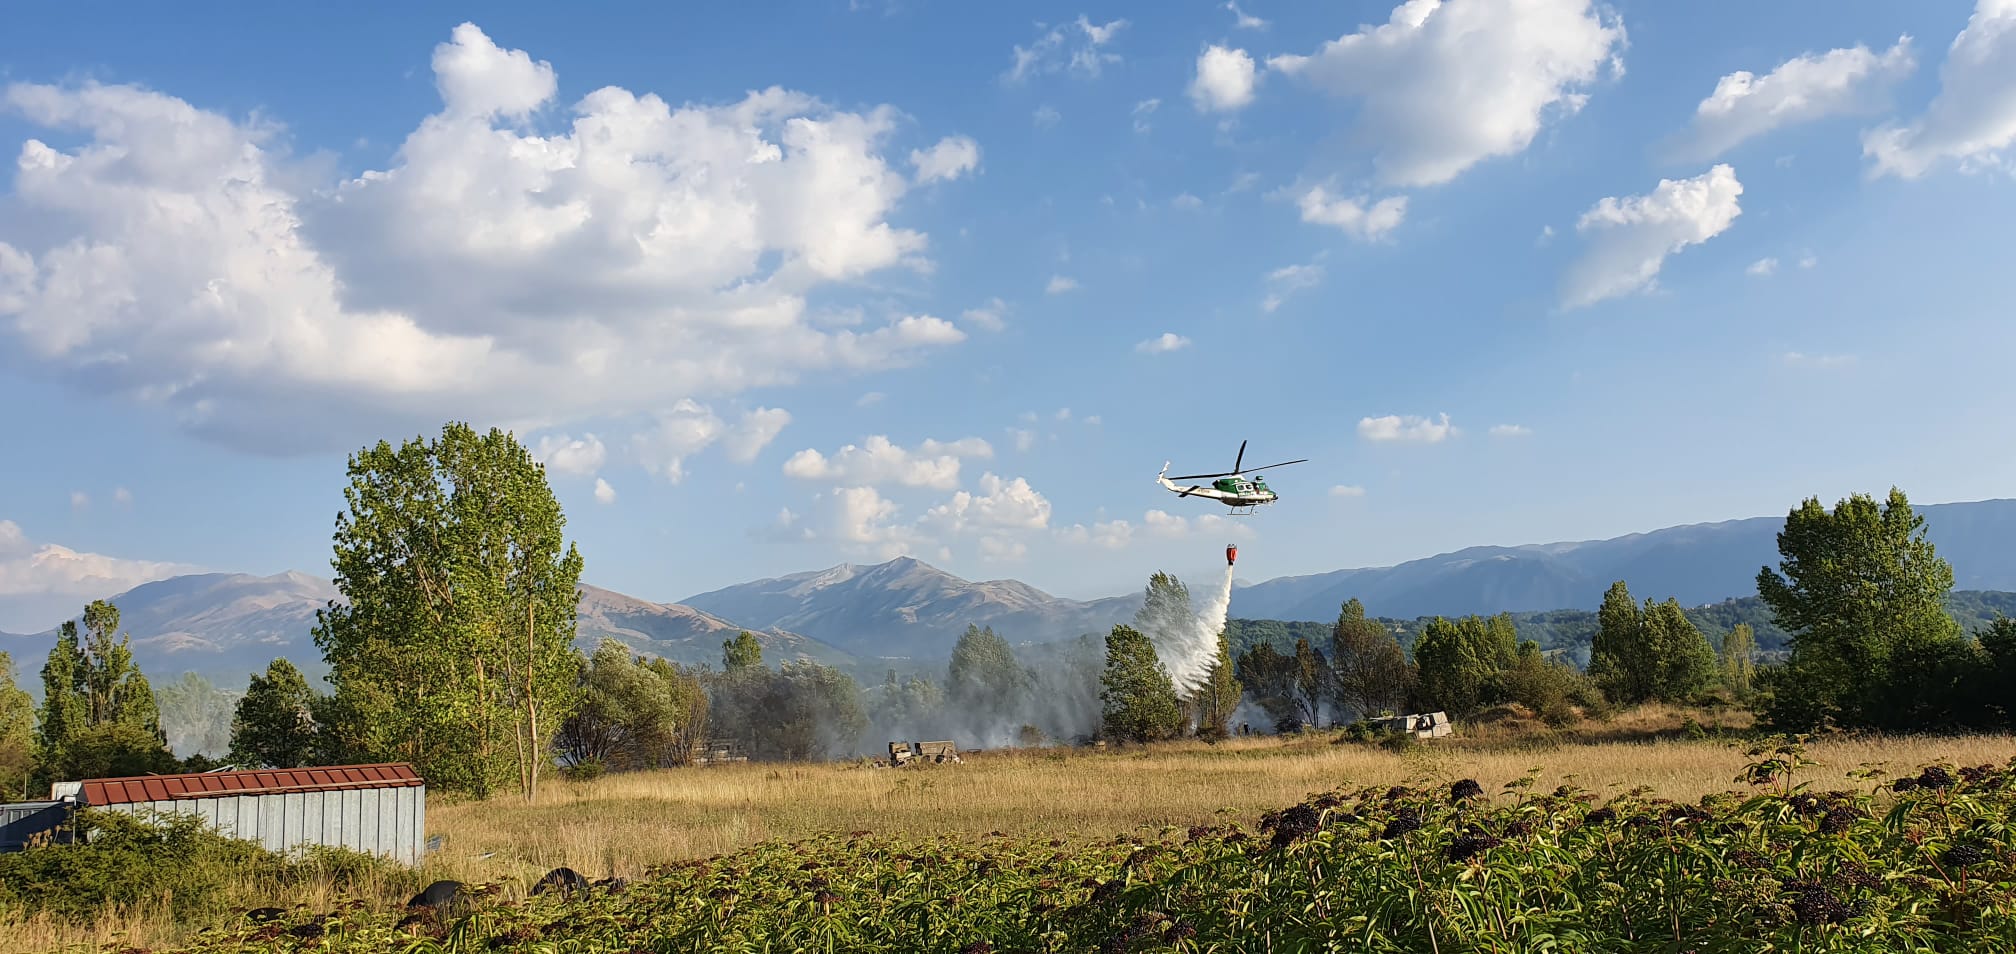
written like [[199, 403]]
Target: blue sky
[[838, 281]]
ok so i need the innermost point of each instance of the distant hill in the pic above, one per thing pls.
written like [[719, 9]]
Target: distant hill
[[226, 626], [1696, 564], [684, 634], [907, 608]]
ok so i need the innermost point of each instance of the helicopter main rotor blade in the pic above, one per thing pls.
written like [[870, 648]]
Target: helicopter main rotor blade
[[1282, 464], [1203, 476], [1240, 459]]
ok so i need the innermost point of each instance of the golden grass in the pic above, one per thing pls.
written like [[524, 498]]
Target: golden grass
[[621, 825]]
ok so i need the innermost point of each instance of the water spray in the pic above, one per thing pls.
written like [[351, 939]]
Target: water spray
[[1187, 642]]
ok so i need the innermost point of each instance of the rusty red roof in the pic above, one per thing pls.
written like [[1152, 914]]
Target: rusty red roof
[[161, 788]]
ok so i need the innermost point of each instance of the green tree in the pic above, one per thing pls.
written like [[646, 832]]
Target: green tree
[[273, 725], [66, 712], [17, 733], [1618, 658], [1370, 670], [99, 717], [984, 681], [1862, 593], [1997, 678], [741, 652], [1683, 662], [1460, 662], [1548, 687], [453, 646], [1739, 660], [632, 714], [1215, 701], [1140, 701]]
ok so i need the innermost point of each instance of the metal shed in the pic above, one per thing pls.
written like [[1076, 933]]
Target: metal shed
[[27, 823], [379, 808]]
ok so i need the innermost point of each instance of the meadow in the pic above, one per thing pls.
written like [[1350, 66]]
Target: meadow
[[1041, 850]]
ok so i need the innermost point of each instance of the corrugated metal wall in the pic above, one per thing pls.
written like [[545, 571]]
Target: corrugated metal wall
[[23, 823], [383, 821]]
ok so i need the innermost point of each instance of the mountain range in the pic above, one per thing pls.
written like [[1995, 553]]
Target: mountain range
[[863, 618]]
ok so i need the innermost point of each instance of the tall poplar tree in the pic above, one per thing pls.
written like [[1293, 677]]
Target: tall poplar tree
[[17, 733], [1739, 659], [99, 717], [453, 647]]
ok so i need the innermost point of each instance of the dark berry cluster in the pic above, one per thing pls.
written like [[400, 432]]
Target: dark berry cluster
[[1853, 875], [1404, 821], [1812, 903], [1935, 776], [1601, 816], [1467, 788], [1294, 825], [1471, 843], [1962, 855], [1839, 819]]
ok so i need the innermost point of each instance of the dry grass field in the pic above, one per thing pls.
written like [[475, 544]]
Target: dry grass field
[[621, 825]]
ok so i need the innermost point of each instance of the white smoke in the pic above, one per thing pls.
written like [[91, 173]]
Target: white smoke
[[1187, 642]]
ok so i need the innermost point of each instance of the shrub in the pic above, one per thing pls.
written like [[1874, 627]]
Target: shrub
[[128, 862]]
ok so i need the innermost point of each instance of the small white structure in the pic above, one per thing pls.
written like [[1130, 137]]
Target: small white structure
[[380, 808], [1430, 725]]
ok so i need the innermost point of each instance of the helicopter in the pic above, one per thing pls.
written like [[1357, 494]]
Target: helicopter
[[1231, 488]]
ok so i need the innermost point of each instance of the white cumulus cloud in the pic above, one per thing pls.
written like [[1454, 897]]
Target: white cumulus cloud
[[1166, 342], [44, 583], [879, 461], [1347, 490], [1445, 84], [1849, 81], [1510, 430], [639, 253], [1394, 427], [1060, 284], [1225, 80], [1972, 120], [577, 456], [1630, 238], [603, 492], [1353, 216], [952, 157], [1762, 267], [1000, 505]]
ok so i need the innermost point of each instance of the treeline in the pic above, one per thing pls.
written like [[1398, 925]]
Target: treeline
[[1573, 631]]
